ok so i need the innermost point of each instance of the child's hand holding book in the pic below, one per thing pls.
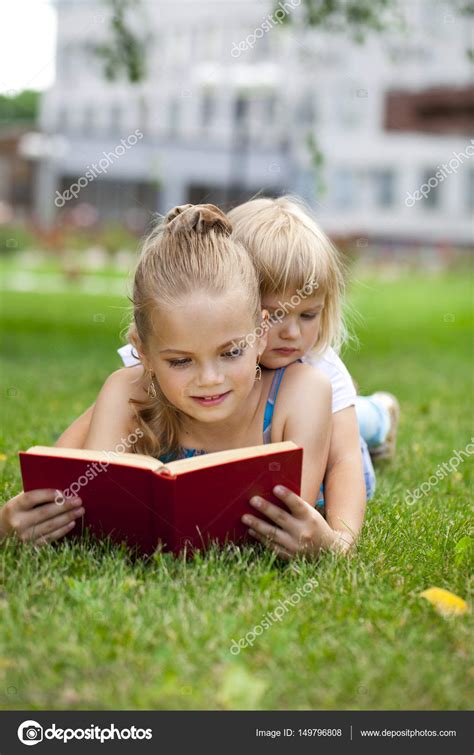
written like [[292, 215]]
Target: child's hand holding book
[[37, 516], [300, 530]]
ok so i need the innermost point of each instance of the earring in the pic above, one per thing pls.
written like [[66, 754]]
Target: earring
[[151, 387], [258, 370]]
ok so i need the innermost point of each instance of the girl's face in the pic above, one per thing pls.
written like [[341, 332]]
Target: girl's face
[[193, 356], [293, 334]]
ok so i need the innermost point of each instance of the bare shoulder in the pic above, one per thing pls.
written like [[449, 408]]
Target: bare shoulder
[[304, 399], [306, 379], [127, 382], [113, 413]]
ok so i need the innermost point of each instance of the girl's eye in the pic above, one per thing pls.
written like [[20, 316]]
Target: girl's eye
[[310, 315], [233, 354], [178, 362]]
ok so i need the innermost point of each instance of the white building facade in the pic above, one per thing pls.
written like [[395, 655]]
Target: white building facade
[[236, 102]]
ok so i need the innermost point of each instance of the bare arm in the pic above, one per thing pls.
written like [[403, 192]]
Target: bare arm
[[113, 418], [75, 435], [303, 416], [344, 487], [305, 398]]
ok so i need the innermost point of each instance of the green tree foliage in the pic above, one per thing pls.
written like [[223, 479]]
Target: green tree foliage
[[125, 53], [23, 107], [354, 17]]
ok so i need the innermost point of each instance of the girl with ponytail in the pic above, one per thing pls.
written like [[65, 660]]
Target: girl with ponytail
[[199, 331]]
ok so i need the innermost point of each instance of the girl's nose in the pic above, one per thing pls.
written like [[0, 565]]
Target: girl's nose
[[290, 328], [210, 374]]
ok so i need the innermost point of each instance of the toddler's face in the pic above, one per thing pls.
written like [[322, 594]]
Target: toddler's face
[[194, 358], [293, 334]]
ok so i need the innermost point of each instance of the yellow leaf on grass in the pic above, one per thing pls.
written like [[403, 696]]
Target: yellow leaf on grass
[[445, 602]]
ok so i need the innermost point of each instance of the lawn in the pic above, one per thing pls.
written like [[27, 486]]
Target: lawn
[[86, 627]]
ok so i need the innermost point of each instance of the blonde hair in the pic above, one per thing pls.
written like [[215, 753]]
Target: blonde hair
[[290, 250], [190, 250]]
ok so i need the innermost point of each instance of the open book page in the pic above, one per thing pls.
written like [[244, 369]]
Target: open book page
[[204, 461], [180, 466], [106, 457]]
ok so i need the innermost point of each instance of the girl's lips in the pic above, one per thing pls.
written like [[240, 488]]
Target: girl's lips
[[218, 398], [285, 351]]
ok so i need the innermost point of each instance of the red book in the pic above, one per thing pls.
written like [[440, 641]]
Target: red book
[[138, 500]]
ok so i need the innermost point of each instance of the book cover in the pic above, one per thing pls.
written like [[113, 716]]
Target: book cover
[[188, 503]]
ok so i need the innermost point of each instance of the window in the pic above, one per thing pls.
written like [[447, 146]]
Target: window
[[181, 48], [66, 65], [173, 116], [207, 109], [270, 107], [115, 119], [470, 190], [143, 114], [261, 50], [306, 110], [349, 101], [241, 109], [213, 43], [430, 189], [88, 122], [439, 110], [383, 185], [345, 188], [62, 119]]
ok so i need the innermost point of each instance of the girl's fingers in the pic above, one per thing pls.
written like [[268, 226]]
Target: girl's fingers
[[269, 532], [273, 512], [55, 535], [297, 505], [26, 501], [282, 552], [52, 510], [49, 526]]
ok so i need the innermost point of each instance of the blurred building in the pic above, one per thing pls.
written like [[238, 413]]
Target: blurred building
[[236, 102], [17, 174]]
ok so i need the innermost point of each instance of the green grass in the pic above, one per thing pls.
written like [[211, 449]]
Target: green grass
[[84, 626]]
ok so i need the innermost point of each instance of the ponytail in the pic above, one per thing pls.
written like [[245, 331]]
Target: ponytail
[[190, 250]]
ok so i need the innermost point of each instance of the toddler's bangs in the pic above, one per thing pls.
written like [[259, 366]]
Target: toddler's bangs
[[291, 257]]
